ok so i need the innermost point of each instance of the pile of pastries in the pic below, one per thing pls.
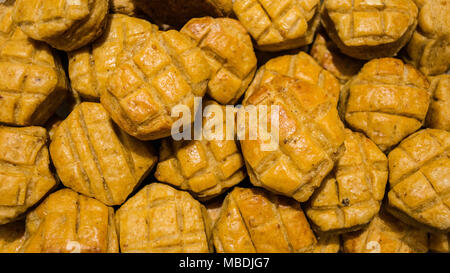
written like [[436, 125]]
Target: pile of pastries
[[88, 163]]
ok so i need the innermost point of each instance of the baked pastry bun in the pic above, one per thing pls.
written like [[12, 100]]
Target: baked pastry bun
[[25, 176], [300, 66], [33, 82], [229, 50], [253, 220], [279, 25], [429, 47], [385, 234], [419, 172], [159, 72], [160, 219], [438, 116], [205, 167], [68, 222], [311, 138], [91, 66], [64, 24], [351, 195], [96, 158], [177, 12], [387, 101], [369, 29], [328, 55]]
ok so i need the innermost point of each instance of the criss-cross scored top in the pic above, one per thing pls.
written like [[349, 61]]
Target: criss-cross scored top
[[429, 47], [68, 222], [47, 18], [24, 170], [281, 23], [438, 116], [311, 137], [352, 195], [229, 51], [95, 158], [91, 66], [31, 76], [253, 220], [419, 177], [386, 234], [206, 168], [302, 67], [387, 100], [164, 70], [64, 24], [161, 219], [370, 22]]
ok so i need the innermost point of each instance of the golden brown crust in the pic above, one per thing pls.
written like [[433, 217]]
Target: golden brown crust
[[33, 84], [69, 222], [279, 25], [385, 234], [328, 55], [161, 219], [12, 237], [429, 47], [64, 24], [440, 242], [94, 157], [351, 196], [253, 220], [205, 167], [159, 72], [369, 29], [438, 116], [419, 172], [311, 137], [91, 66], [387, 100], [24, 170], [218, 168], [177, 12], [229, 50], [300, 66]]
